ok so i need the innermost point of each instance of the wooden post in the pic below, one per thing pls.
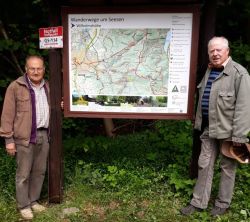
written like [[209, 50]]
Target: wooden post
[[55, 157], [207, 31], [109, 126], [55, 168]]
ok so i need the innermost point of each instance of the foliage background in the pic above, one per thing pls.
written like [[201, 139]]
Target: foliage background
[[143, 173]]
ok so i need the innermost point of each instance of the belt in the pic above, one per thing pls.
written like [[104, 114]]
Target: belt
[[41, 128]]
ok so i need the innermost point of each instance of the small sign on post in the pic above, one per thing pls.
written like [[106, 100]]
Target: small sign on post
[[51, 37]]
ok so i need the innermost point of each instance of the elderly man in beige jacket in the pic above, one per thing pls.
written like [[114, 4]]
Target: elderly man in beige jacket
[[223, 113]]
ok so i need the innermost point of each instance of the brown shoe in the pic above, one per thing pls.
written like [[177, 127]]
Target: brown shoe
[[190, 209], [216, 211]]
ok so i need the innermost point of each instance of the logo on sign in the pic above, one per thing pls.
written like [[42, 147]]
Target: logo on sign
[[51, 37]]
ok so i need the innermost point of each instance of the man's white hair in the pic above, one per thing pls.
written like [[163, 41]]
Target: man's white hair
[[224, 41]]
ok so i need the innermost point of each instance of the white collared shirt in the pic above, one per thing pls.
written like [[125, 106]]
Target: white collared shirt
[[42, 106]]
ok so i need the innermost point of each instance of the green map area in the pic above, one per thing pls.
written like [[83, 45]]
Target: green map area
[[119, 62]]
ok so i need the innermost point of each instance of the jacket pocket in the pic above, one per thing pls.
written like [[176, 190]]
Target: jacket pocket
[[226, 100], [23, 103]]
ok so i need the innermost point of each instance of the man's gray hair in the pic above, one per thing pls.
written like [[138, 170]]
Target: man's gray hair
[[34, 56], [224, 41]]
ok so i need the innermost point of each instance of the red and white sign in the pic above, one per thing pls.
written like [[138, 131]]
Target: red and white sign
[[51, 37]]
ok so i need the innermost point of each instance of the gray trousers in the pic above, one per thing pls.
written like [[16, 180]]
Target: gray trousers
[[31, 168], [210, 148]]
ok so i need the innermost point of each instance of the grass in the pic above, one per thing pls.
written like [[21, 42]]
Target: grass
[[122, 203], [95, 205], [128, 179]]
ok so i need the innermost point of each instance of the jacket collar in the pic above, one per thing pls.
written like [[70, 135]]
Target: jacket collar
[[228, 68], [21, 80]]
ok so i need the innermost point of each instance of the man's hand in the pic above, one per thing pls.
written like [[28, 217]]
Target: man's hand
[[62, 104], [11, 149]]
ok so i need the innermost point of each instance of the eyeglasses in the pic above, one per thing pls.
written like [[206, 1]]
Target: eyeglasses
[[32, 70]]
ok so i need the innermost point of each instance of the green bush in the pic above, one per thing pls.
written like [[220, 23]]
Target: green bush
[[159, 155]]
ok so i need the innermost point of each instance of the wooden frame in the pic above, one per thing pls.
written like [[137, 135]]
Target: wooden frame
[[175, 13]]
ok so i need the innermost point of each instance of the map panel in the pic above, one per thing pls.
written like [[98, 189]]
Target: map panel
[[129, 62]]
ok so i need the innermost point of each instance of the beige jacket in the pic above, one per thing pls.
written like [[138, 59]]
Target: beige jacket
[[229, 104]]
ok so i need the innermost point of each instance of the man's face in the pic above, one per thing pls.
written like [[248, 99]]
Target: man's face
[[218, 53], [35, 70]]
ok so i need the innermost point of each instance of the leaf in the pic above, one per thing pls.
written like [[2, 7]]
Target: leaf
[[243, 212], [80, 162]]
